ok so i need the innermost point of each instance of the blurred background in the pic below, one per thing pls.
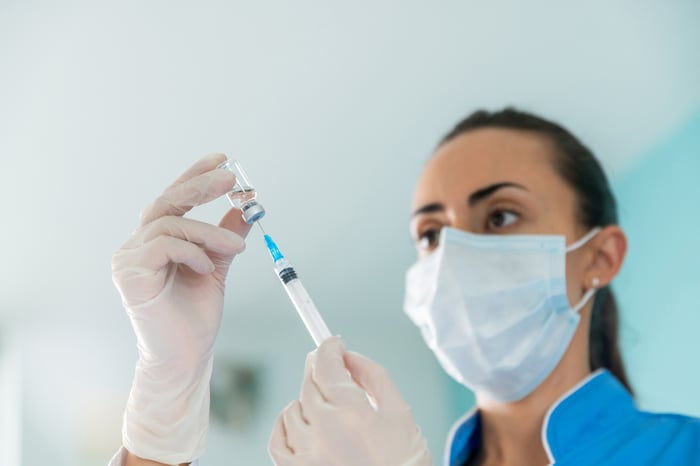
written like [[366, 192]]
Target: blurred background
[[333, 108]]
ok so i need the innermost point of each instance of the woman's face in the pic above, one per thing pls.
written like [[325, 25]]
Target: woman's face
[[496, 181]]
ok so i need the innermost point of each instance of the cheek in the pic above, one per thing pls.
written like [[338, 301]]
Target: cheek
[[574, 278]]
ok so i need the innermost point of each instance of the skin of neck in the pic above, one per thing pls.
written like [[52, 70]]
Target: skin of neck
[[512, 432]]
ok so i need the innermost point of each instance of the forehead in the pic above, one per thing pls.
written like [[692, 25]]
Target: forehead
[[486, 156]]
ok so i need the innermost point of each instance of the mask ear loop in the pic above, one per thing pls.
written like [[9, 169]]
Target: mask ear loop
[[586, 238], [594, 284], [587, 295]]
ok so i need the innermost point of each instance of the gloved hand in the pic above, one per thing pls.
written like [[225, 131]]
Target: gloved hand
[[170, 274], [335, 423]]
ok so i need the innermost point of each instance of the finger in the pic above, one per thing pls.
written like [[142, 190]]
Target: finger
[[179, 198], [332, 378], [163, 250], [311, 397], [296, 427], [375, 380], [277, 447], [210, 237], [203, 165], [234, 223], [233, 220]]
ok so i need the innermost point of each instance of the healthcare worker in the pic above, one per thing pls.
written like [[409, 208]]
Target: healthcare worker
[[517, 238]]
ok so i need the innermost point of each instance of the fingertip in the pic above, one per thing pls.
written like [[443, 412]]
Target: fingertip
[[290, 406], [218, 157], [206, 164], [351, 356], [310, 356], [355, 363], [334, 344], [277, 443], [233, 221], [374, 379], [208, 267], [223, 173], [224, 179], [358, 362], [329, 358]]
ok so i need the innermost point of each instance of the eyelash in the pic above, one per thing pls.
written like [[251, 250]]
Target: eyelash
[[433, 234], [501, 211]]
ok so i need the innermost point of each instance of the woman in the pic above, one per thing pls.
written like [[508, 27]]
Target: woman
[[517, 238]]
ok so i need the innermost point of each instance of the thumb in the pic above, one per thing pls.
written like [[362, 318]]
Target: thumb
[[375, 380], [233, 220]]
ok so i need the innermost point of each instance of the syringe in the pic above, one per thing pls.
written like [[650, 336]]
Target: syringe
[[297, 293], [243, 196]]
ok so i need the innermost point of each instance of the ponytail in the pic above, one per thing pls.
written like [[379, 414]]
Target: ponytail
[[604, 344]]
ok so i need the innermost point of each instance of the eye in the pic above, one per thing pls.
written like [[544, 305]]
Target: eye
[[502, 218], [428, 239]]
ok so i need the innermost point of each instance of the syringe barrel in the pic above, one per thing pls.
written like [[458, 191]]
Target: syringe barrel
[[302, 302]]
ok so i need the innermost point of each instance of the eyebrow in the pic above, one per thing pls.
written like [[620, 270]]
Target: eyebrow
[[474, 198], [483, 193]]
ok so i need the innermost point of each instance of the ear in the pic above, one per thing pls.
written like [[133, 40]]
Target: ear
[[610, 247]]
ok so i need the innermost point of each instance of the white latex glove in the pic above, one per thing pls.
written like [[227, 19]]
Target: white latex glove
[[170, 274], [335, 424]]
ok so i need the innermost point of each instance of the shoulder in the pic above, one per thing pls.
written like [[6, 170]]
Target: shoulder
[[670, 418], [669, 422], [599, 423], [673, 437]]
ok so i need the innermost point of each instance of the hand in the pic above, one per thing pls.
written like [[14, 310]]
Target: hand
[[170, 274], [350, 414]]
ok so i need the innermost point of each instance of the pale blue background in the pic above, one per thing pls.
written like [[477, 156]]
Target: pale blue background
[[659, 286]]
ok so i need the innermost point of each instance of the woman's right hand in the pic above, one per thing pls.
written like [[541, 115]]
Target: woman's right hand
[[171, 274]]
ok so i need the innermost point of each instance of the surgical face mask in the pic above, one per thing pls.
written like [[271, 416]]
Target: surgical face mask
[[494, 308]]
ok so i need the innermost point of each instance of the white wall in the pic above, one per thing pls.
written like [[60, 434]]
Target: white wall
[[10, 401], [102, 105]]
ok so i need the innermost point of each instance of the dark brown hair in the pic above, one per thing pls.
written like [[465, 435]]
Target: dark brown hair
[[596, 207]]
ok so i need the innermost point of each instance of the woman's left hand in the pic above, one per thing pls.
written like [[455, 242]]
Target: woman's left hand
[[350, 413]]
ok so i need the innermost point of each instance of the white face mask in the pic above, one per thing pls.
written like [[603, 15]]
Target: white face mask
[[494, 308]]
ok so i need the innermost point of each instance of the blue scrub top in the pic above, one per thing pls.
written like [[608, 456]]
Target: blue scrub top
[[597, 423]]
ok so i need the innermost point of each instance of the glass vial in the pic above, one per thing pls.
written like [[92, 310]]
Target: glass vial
[[242, 195]]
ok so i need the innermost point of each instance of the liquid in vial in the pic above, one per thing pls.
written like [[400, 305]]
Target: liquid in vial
[[240, 196], [243, 195]]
